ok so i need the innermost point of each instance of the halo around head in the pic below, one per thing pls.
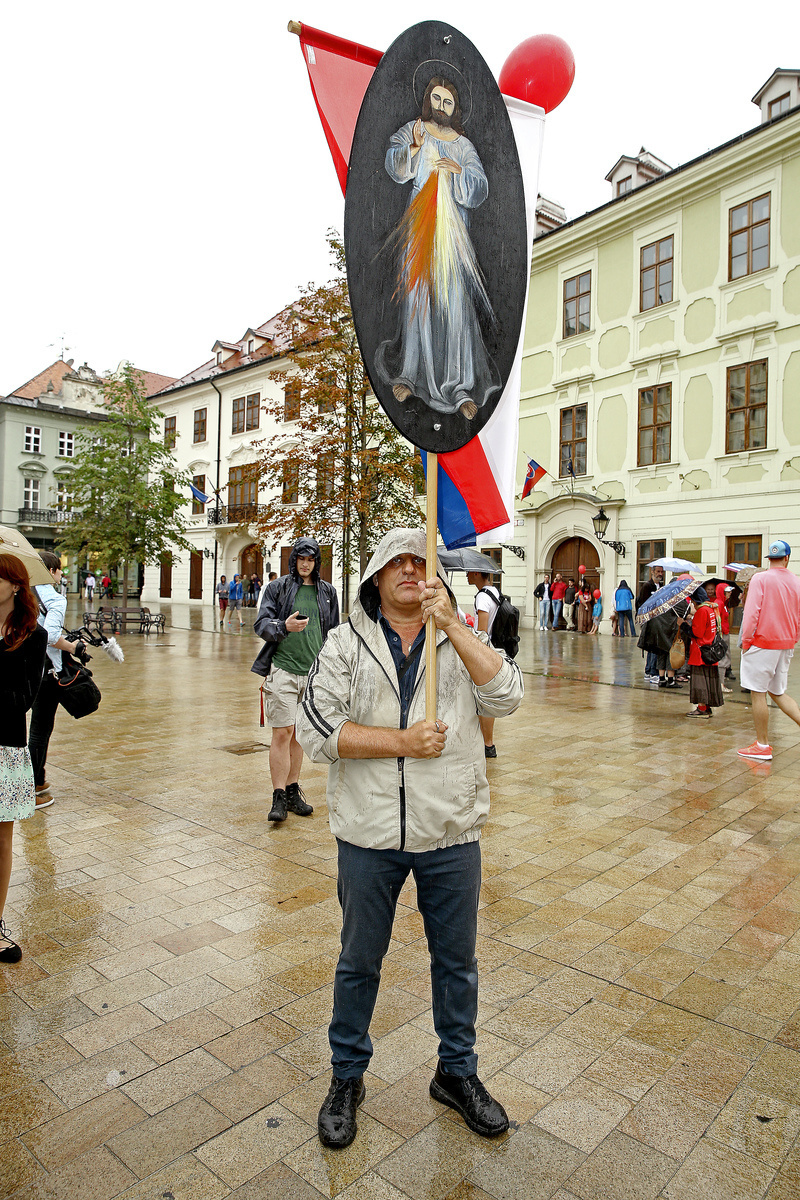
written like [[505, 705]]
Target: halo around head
[[426, 71]]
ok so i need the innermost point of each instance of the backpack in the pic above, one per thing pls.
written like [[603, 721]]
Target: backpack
[[505, 627]]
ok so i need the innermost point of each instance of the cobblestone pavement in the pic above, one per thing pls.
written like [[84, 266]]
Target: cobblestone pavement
[[164, 1037]]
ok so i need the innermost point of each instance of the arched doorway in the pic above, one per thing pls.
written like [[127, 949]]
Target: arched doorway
[[252, 561], [573, 553]]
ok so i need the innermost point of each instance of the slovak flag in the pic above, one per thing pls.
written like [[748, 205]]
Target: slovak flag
[[198, 495], [532, 477], [477, 484]]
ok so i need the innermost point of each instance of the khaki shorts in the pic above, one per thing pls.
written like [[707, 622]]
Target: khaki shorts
[[282, 695], [765, 670]]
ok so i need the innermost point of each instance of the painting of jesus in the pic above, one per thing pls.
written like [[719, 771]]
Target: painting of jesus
[[435, 237], [438, 353]]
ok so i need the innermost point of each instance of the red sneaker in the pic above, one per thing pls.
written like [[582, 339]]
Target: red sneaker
[[762, 753]]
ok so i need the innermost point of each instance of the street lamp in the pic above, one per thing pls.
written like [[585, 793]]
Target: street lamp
[[600, 521]]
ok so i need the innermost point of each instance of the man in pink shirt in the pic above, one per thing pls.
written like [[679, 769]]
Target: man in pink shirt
[[770, 629]]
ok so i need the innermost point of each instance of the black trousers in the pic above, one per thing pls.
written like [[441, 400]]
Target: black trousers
[[43, 718]]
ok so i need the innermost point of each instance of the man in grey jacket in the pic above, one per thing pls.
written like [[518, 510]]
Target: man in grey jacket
[[405, 794]]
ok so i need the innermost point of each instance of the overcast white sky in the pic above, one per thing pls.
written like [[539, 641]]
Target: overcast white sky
[[166, 181]]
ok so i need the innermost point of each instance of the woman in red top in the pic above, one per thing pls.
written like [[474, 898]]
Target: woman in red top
[[705, 688]]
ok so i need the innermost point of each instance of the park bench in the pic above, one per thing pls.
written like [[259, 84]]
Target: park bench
[[141, 618], [98, 620]]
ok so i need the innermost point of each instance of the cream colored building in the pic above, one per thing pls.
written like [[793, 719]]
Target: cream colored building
[[213, 418], [662, 362]]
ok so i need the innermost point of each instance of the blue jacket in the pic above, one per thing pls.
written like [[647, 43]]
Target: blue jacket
[[235, 591], [623, 598]]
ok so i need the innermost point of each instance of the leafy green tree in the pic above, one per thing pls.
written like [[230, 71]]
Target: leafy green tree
[[127, 493], [343, 474]]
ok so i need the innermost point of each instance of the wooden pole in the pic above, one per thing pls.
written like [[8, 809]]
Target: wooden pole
[[295, 27], [432, 482]]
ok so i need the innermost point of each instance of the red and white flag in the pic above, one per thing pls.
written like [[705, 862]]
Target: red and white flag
[[477, 482]]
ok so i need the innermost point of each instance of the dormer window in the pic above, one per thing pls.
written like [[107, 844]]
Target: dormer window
[[780, 106], [250, 345], [624, 185], [219, 358]]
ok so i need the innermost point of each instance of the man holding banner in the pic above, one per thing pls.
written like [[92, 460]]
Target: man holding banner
[[406, 794]]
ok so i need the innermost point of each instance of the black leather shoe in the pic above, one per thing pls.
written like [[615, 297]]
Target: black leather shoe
[[278, 810], [9, 950], [468, 1096], [296, 801], [490, 751], [336, 1123]]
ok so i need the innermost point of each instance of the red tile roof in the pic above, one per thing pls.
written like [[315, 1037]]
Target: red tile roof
[[36, 386], [55, 373], [156, 383]]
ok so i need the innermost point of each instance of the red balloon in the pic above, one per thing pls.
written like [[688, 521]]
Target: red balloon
[[540, 71], [581, 569], [597, 593]]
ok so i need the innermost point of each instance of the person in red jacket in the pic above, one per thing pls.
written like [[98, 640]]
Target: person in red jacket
[[721, 593], [705, 690], [770, 629]]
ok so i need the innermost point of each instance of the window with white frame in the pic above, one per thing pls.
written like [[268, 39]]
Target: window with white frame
[[31, 494], [33, 439], [66, 444]]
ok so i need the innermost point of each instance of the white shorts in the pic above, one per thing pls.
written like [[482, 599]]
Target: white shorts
[[765, 670], [282, 695]]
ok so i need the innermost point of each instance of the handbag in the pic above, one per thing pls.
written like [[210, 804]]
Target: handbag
[[677, 652], [77, 691], [715, 652]]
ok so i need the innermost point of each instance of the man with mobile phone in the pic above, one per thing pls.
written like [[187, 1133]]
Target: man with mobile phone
[[294, 617]]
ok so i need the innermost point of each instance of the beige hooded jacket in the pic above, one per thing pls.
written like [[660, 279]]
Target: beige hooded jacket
[[409, 804]]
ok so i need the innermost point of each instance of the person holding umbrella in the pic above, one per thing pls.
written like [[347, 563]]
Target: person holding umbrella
[[705, 690]]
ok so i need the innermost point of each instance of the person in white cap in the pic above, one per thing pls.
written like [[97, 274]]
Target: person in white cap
[[770, 629]]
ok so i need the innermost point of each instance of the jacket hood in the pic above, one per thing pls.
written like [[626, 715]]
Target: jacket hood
[[396, 541], [305, 546], [623, 583]]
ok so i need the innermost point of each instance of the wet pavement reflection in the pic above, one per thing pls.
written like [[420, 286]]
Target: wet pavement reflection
[[639, 949]]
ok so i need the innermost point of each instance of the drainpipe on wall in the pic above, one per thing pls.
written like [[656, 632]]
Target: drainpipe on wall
[[219, 442]]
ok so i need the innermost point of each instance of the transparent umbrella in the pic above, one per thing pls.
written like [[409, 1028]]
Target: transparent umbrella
[[676, 564]]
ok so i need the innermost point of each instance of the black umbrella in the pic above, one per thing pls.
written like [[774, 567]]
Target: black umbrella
[[467, 559]]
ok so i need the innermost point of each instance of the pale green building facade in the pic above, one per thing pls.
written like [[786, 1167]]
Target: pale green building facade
[[662, 365]]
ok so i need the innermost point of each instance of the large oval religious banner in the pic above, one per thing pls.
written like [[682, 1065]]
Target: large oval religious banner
[[435, 237]]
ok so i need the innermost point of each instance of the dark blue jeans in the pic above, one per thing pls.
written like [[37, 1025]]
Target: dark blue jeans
[[625, 614], [448, 884]]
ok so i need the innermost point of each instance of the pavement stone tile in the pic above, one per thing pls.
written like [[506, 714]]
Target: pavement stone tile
[[255, 1143], [168, 1135], [621, 1168], [175, 1080], [84, 1128], [639, 954], [99, 1074]]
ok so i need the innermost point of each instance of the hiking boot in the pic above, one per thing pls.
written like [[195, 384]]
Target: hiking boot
[[468, 1096], [9, 950], [296, 801], [336, 1123], [278, 810], [490, 751]]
